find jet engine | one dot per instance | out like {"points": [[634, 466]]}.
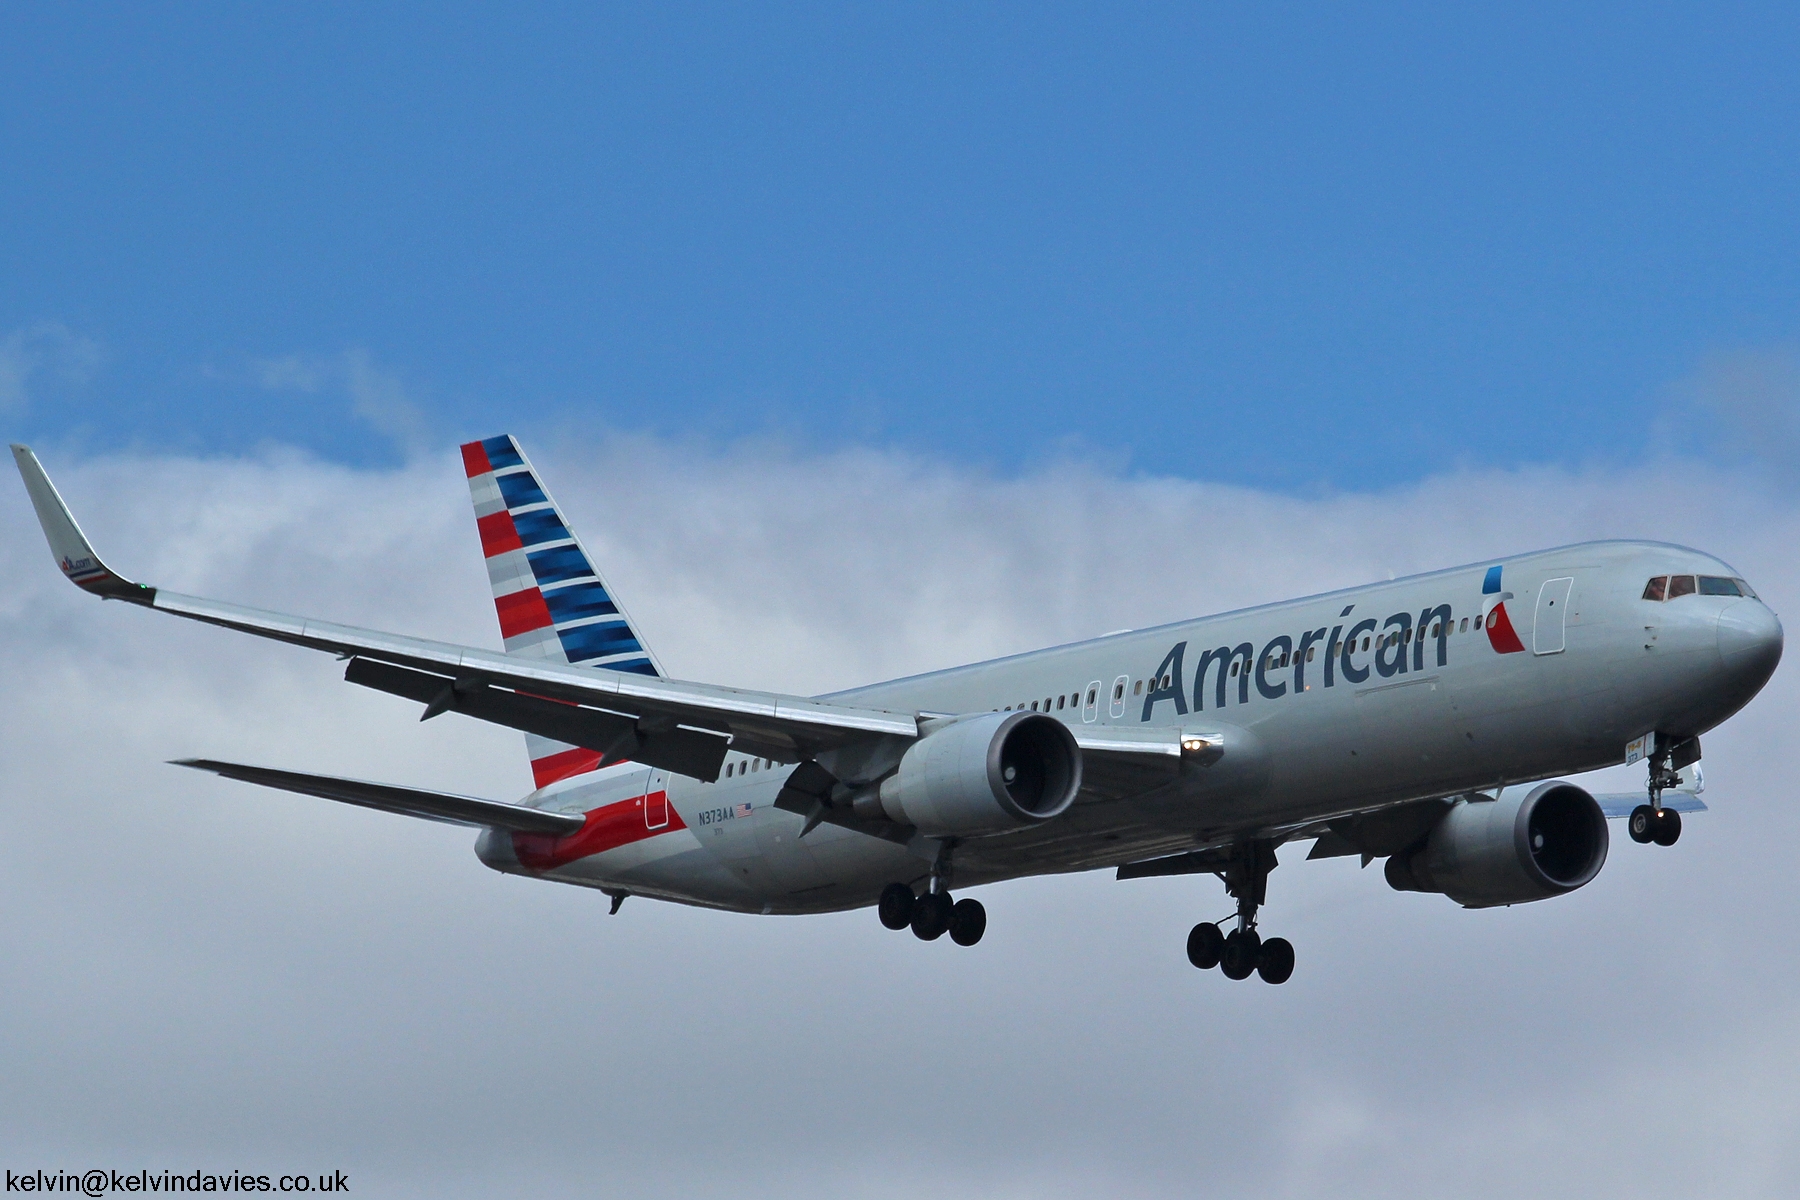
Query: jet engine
{"points": [[982, 775], [1529, 843]]}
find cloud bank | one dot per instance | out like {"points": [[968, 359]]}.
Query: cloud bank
{"points": [[201, 973]]}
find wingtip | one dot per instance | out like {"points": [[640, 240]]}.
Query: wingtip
{"points": [[74, 555]]}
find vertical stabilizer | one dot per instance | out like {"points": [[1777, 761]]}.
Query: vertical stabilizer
{"points": [[551, 601]]}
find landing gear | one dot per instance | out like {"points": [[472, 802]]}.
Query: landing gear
{"points": [[1652, 822], [1205, 944], [933, 914], [1242, 952], [968, 921], [1668, 827], [1646, 825], [1276, 962], [1242, 949], [896, 906]]}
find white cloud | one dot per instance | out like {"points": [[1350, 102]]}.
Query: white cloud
{"points": [[31, 352], [196, 970]]}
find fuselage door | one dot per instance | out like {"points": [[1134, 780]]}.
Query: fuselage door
{"points": [[1090, 707], [1118, 695], [1552, 607], [656, 801]]}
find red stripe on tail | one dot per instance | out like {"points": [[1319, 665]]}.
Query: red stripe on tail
{"points": [[521, 612], [498, 535], [564, 763], [475, 459]]}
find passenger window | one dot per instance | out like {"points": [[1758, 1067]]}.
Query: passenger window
{"points": [[1118, 691], [1137, 689], [1234, 667], [1478, 622], [1681, 585], [1365, 643], [1093, 695], [1046, 704], [1465, 625], [728, 767], [1059, 702], [1657, 589], [1311, 651], [1716, 585], [1034, 706]]}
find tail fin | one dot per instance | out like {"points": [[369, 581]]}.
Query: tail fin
{"points": [[551, 601]]}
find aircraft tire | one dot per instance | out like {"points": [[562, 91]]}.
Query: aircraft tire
{"points": [[931, 916], [968, 921], [1642, 824], [1238, 957], [1667, 829], [1204, 944], [896, 906], [1276, 962]]}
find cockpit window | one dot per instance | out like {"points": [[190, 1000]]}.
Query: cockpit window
{"points": [[1657, 588], [1745, 588], [1718, 585], [1681, 585]]}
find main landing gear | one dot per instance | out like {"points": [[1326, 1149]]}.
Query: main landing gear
{"points": [[932, 915], [1242, 952], [1652, 822]]}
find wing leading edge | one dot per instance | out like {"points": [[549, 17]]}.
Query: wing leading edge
{"points": [[674, 725]]}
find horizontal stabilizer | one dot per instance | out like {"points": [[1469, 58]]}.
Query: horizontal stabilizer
{"points": [[409, 802]]}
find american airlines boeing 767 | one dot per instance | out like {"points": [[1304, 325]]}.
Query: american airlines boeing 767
{"points": [[1422, 721]]}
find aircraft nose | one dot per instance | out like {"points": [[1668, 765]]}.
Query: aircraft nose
{"points": [[1749, 640]]}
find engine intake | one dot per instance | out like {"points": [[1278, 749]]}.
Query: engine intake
{"points": [[985, 774], [1527, 844]]}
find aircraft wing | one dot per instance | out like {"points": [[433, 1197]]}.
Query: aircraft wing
{"points": [[677, 726], [409, 802], [1618, 805]]}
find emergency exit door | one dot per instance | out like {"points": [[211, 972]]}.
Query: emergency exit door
{"points": [[1552, 607]]}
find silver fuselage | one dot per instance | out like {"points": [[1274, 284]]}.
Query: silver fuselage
{"points": [[1305, 736]]}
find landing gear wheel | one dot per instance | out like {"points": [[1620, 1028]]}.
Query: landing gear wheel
{"points": [[931, 916], [896, 906], [1239, 954], [1276, 961], [1642, 824], [968, 921], [1667, 828], [1204, 944]]}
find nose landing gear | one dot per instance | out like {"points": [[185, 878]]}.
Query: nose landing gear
{"points": [[1243, 952], [1652, 822]]}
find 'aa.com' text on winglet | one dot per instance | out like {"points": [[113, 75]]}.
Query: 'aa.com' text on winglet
{"points": [[68, 545]]}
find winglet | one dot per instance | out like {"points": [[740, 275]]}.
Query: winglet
{"points": [[67, 543]]}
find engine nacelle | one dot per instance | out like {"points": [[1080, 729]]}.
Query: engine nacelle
{"points": [[1528, 844], [987, 774]]}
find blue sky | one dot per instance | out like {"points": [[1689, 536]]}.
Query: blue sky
{"points": [[1297, 248]]}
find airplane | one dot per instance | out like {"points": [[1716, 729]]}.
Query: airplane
{"points": [[1425, 721]]}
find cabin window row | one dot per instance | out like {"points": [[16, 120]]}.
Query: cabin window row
{"points": [[1670, 587], [748, 765]]}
